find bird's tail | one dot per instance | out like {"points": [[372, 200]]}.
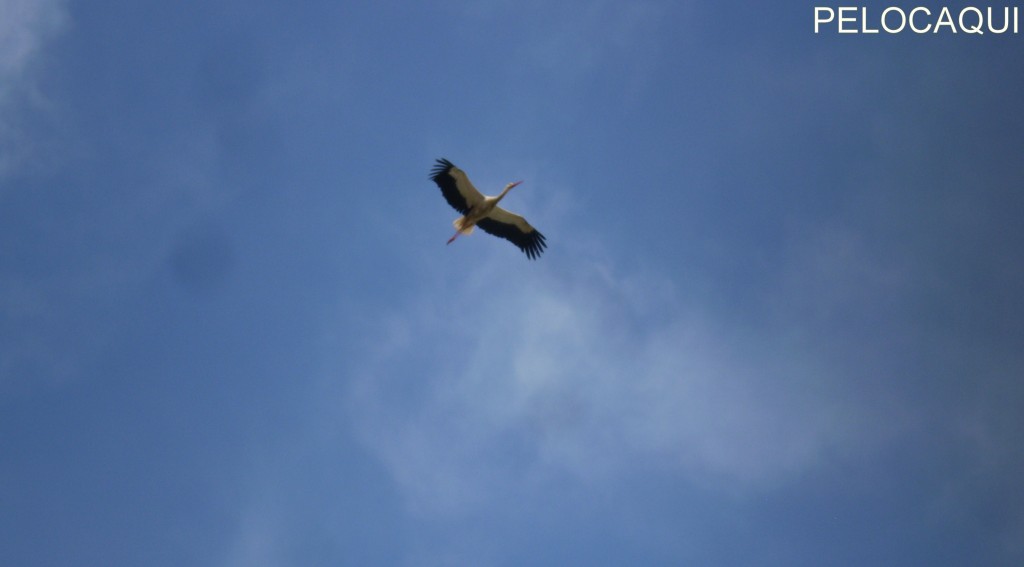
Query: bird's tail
{"points": [[460, 225]]}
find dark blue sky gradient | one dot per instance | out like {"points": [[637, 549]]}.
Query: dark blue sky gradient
{"points": [[778, 323]]}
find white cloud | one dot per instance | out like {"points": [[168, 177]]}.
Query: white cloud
{"points": [[25, 27], [586, 376], [256, 539]]}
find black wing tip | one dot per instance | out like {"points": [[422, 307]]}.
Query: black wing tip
{"points": [[535, 246], [441, 167]]}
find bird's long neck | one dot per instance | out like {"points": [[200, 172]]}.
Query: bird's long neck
{"points": [[506, 190]]}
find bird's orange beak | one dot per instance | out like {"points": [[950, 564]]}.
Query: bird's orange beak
{"points": [[511, 185]]}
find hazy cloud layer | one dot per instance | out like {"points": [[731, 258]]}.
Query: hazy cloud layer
{"points": [[571, 377], [25, 27]]}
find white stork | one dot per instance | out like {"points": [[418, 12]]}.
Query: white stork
{"points": [[483, 211]]}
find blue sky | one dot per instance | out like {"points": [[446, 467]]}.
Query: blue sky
{"points": [[778, 321]]}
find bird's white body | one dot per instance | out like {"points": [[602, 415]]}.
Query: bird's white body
{"points": [[483, 209]]}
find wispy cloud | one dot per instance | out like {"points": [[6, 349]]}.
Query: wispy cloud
{"points": [[528, 378], [25, 27]]}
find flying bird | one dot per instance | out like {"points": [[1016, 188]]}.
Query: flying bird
{"points": [[483, 210]]}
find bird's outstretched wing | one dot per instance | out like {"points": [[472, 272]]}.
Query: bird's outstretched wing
{"points": [[515, 229], [455, 186]]}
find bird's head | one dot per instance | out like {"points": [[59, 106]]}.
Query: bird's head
{"points": [[513, 184]]}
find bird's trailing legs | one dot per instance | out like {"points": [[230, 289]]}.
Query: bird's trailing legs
{"points": [[461, 228]]}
